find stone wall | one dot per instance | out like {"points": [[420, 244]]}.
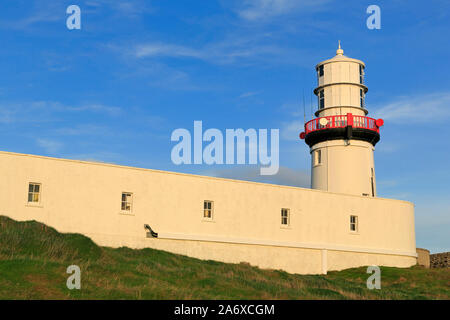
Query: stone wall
{"points": [[440, 260]]}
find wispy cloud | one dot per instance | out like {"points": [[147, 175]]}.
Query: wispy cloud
{"points": [[100, 156], [84, 129], [39, 16], [388, 147], [295, 109], [95, 107], [50, 146], [246, 50], [257, 10], [49, 11], [172, 79], [291, 130], [170, 50], [45, 111], [434, 107], [249, 94], [155, 73], [127, 8], [14, 112]]}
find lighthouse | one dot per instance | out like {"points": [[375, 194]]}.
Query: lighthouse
{"points": [[342, 137]]}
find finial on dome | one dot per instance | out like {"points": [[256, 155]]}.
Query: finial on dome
{"points": [[339, 51]]}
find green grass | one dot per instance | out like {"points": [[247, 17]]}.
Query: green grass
{"points": [[34, 258]]}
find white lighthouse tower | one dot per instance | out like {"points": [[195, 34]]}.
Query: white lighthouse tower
{"points": [[342, 138]]}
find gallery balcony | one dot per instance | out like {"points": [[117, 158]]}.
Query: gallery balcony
{"points": [[344, 127]]}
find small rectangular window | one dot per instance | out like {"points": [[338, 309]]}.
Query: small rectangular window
{"points": [[320, 71], [372, 184], [285, 217], [34, 192], [208, 208], [361, 94], [321, 100], [354, 223], [317, 157], [127, 201], [361, 74]]}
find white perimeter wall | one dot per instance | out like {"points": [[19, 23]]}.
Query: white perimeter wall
{"points": [[85, 197]]}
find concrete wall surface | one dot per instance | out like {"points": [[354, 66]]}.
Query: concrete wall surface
{"points": [[85, 197]]}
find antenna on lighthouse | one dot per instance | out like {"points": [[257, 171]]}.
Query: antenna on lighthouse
{"points": [[304, 109]]}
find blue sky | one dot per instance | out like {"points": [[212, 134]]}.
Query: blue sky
{"points": [[137, 70]]}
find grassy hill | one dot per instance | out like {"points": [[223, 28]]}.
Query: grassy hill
{"points": [[34, 258]]}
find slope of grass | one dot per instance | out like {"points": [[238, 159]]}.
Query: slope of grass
{"points": [[34, 259]]}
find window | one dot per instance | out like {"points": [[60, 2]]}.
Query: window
{"points": [[34, 192], [361, 74], [321, 100], [208, 208], [353, 223], [320, 71], [127, 201], [361, 94], [317, 157], [372, 184], [285, 217]]}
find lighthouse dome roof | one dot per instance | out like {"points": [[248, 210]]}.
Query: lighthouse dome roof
{"points": [[340, 57]]}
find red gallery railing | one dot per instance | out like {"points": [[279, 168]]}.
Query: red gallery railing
{"points": [[342, 121]]}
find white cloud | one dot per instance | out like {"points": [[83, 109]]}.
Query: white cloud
{"points": [[131, 8], [127, 8], [100, 108], [46, 111], [50, 146], [168, 50], [248, 50], [388, 147], [257, 10], [50, 11], [23, 112], [84, 129], [296, 109], [434, 107], [290, 130], [248, 94], [42, 12], [221, 53], [172, 79], [100, 156]]}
